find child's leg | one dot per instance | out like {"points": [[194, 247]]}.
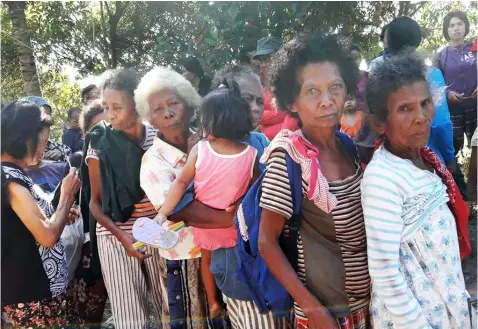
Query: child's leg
{"points": [[209, 284]]}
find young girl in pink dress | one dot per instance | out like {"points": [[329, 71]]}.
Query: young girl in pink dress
{"points": [[222, 167]]}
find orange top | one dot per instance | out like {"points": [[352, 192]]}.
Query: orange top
{"points": [[351, 131]]}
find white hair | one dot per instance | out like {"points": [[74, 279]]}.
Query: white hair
{"points": [[162, 78]]}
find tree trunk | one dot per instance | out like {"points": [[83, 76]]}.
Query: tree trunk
{"points": [[24, 48]]}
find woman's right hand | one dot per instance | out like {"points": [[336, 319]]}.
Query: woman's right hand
{"points": [[127, 241], [70, 184], [454, 97], [318, 317]]}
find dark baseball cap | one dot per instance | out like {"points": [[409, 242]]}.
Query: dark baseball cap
{"points": [[267, 46]]}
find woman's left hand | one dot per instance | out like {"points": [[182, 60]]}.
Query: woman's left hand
{"points": [[73, 216]]}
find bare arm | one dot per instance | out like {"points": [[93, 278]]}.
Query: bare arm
{"points": [[45, 231], [97, 212], [269, 232], [197, 214], [180, 184]]}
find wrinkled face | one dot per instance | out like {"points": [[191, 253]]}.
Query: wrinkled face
{"points": [[456, 29], [168, 113], [251, 91], [321, 98], [35, 156], [120, 109], [410, 114]]}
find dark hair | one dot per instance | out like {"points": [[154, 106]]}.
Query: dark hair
{"points": [[300, 51], [384, 30], [225, 114], [192, 64], [72, 111], [403, 32], [89, 93], [125, 80], [231, 73], [244, 54], [446, 22], [89, 112], [22, 123], [354, 46], [398, 71]]}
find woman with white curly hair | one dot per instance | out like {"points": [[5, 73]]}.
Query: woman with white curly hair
{"points": [[168, 101]]}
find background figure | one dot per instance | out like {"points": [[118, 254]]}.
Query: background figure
{"points": [[272, 120], [90, 93], [55, 150], [457, 62], [351, 121], [72, 136], [194, 73]]}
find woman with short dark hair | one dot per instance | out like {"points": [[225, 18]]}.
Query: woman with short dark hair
{"points": [[311, 77], [415, 217], [113, 159], [35, 275], [457, 62]]}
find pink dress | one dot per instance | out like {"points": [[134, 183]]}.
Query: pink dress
{"points": [[220, 181]]}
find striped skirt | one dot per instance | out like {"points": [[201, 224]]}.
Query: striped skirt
{"points": [[245, 315]]}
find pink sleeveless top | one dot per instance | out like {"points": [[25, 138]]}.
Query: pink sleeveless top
{"points": [[220, 181]]}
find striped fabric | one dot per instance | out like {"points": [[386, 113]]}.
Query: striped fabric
{"points": [[245, 315], [348, 219], [126, 284], [142, 209], [395, 204], [306, 154]]}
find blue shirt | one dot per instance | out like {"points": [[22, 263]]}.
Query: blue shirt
{"points": [[441, 134]]}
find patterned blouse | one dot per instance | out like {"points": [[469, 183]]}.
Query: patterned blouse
{"points": [[160, 166]]}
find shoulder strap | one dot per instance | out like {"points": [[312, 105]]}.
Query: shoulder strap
{"points": [[295, 181]]}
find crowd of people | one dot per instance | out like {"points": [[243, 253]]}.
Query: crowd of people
{"points": [[292, 170]]}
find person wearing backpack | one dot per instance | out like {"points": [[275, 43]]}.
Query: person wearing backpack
{"points": [[331, 283]]}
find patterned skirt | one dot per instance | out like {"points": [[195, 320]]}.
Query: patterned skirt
{"points": [[46, 313]]}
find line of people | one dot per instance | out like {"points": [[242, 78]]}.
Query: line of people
{"points": [[379, 243]]}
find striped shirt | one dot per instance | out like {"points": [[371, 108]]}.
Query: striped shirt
{"points": [[397, 197], [348, 219], [142, 209]]}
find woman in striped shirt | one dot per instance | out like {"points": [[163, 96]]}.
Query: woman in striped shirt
{"points": [[126, 271], [412, 209], [331, 286]]}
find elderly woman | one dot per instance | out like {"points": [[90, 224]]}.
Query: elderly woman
{"points": [[331, 287], [412, 209], [457, 62], [168, 101], [113, 159], [35, 275]]}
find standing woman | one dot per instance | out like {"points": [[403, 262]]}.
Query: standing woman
{"points": [[457, 62], [114, 157], [331, 287], [412, 209], [35, 275]]}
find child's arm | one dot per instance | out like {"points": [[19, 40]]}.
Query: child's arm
{"points": [[179, 185]]}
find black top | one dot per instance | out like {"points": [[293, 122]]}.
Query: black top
{"points": [[204, 86], [24, 278]]}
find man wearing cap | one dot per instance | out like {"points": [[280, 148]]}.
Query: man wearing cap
{"points": [[272, 120], [54, 151]]}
